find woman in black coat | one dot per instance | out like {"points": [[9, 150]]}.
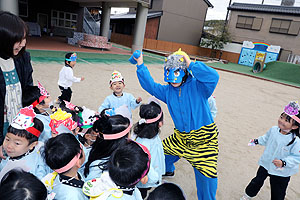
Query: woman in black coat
{"points": [[15, 68]]}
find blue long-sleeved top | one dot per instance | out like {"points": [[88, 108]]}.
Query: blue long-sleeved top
{"points": [[113, 101], [276, 148], [187, 104]]}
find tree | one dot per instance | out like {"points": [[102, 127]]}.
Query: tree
{"points": [[215, 36]]}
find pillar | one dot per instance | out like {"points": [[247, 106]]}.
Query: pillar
{"points": [[105, 20], [139, 27], [10, 6]]}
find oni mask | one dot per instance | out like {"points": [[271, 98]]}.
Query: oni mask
{"points": [[173, 75], [175, 67]]}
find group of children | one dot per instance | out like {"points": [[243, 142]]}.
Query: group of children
{"points": [[78, 153]]}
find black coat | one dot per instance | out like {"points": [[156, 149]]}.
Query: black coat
{"points": [[24, 70]]}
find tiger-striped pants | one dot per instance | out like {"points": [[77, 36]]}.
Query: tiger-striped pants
{"points": [[200, 149]]}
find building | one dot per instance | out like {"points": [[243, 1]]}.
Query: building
{"points": [[168, 20], [63, 17], [275, 25]]}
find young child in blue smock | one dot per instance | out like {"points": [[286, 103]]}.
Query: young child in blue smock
{"points": [[40, 99], [118, 97], [147, 134], [195, 136], [212, 106], [112, 131], [281, 157], [65, 156], [20, 144], [128, 165]]}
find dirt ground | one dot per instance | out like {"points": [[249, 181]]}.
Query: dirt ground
{"points": [[247, 108]]}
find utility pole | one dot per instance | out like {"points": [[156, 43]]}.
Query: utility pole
{"points": [[225, 23], [262, 1], [227, 13]]}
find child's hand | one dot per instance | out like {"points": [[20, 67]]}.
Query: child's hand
{"points": [[1, 153], [139, 100], [82, 78], [252, 142], [277, 163], [187, 60], [144, 180], [139, 59]]}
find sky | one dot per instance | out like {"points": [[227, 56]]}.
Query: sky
{"points": [[220, 6]]}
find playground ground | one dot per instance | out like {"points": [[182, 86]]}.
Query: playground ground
{"points": [[247, 108]]}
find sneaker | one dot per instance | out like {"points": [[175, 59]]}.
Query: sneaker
{"points": [[169, 174], [245, 197]]}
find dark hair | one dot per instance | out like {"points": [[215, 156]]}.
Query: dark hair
{"points": [[12, 30], [127, 164], [167, 191], [68, 56], [103, 148], [60, 150], [295, 132], [148, 111], [21, 185], [82, 138], [38, 124], [30, 95]]}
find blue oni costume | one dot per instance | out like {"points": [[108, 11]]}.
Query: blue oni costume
{"points": [[195, 136]]}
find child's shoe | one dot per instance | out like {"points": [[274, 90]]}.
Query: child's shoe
{"points": [[245, 197]]}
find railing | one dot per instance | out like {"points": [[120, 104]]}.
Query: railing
{"points": [[90, 26], [292, 58]]}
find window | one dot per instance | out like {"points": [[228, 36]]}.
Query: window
{"points": [[23, 8], [63, 19], [249, 22], [280, 26], [285, 26]]}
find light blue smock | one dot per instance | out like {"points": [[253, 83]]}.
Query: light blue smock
{"points": [[113, 101], [276, 148], [157, 164]]}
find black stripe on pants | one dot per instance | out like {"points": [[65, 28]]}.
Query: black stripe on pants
{"points": [[278, 184]]}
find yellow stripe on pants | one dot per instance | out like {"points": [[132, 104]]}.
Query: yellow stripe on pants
{"points": [[198, 147]]}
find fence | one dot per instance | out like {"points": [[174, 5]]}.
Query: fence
{"points": [[292, 58], [165, 46]]}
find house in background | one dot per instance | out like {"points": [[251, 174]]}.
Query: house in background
{"points": [[168, 20], [275, 25]]}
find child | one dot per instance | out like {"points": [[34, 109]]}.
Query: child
{"points": [[66, 78], [119, 98], [281, 157], [39, 98], [112, 132], [62, 122], [147, 130], [20, 141], [65, 156], [128, 165], [167, 191], [195, 136], [87, 138], [21, 185]]}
